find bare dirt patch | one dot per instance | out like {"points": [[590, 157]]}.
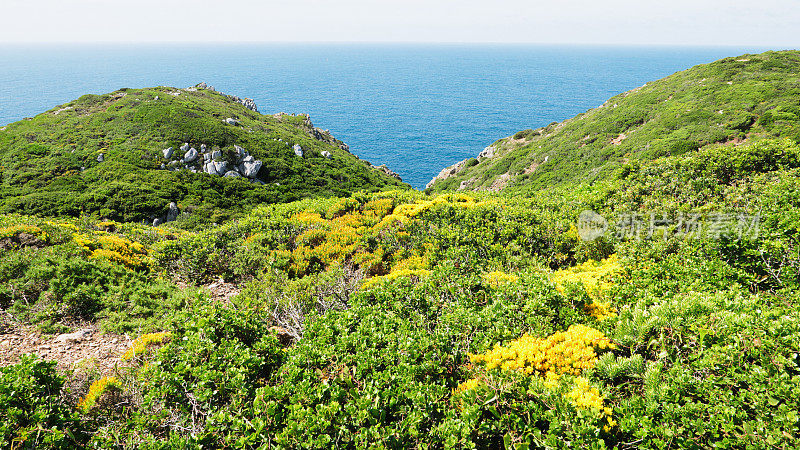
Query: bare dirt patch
{"points": [[93, 349]]}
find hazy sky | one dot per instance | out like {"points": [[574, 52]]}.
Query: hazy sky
{"points": [[774, 23]]}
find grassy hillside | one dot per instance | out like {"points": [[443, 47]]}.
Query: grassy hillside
{"points": [[50, 164], [727, 102]]}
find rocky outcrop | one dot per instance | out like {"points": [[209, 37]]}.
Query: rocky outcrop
{"points": [[211, 161], [487, 152], [387, 171], [448, 172]]}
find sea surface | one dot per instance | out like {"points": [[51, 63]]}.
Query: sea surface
{"points": [[416, 108]]}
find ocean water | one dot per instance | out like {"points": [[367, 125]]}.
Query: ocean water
{"points": [[416, 108]]}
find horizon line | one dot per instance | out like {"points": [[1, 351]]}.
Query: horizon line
{"points": [[442, 43]]}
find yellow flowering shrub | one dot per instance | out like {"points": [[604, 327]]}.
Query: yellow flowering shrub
{"points": [[415, 266], [96, 390], [498, 278], [466, 386], [596, 278], [563, 352], [307, 218], [113, 248], [14, 230], [143, 342], [585, 396]]}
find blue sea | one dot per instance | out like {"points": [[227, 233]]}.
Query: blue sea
{"points": [[416, 108]]}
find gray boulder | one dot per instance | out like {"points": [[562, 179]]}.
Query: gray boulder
{"points": [[157, 221], [250, 168], [220, 166], [326, 154], [232, 174], [190, 155], [185, 147], [173, 212], [101, 157], [298, 150], [210, 169], [203, 148], [231, 121], [167, 153]]}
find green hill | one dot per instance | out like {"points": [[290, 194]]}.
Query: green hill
{"points": [[726, 103], [103, 155]]}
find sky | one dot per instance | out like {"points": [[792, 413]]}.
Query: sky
{"points": [[773, 23]]}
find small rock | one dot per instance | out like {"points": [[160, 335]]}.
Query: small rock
{"points": [[231, 121], [326, 154], [101, 157], [298, 151], [203, 148], [185, 147], [157, 222], [77, 336], [167, 153], [232, 174]]}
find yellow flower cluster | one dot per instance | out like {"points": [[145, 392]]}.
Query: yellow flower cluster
{"points": [[307, 218], [403, 213], [113, 248], [466, 386], [498, 278], [14, 230], [143, 342], [563, 352], [360, 233], [585, 396], [596, 278], [415, 266], [96, 390], [601, 310]]}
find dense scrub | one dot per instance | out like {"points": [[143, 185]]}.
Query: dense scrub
{"points": [[49, 164], [453, 321]]}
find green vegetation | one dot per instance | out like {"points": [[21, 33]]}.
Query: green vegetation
{"points": [[49, 164], [400, 319], [727, 102]]}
